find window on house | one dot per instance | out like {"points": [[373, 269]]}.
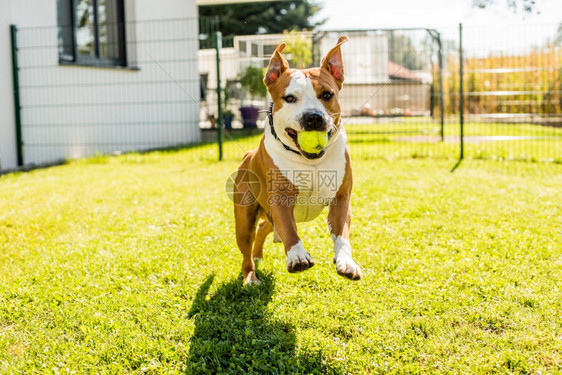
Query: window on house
{"points": [[91, 32]]}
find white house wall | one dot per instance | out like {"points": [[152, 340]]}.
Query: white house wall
{"points": [[73, 111], [7, 129], [22, 13]]}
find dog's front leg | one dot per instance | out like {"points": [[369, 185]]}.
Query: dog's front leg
{"points": [[298, 259], [339, 219]]}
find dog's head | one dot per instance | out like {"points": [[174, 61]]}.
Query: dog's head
{"points": [[305, 99]]}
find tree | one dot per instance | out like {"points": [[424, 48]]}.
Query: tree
{"points": [[525, 6], [263, 17], [298, 50]]}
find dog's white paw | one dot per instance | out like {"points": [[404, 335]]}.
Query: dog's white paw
{"points": [[298, 259], [345, 265]]}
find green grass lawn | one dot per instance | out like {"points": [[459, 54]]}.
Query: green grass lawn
{"points": [[129, 265], [418, 138], [426, 125]]}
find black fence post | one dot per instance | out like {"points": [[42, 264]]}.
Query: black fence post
{"points": [[461, 93], [436, 37], [218, 46], [16, 83], [441, 99]]}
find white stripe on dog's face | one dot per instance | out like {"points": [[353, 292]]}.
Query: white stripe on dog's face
{"points": [[290, 114], [301, 87]]}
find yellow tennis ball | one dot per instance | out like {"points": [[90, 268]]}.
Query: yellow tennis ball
{"points": [[313, 141]]}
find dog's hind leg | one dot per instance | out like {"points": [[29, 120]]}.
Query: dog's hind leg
{"points": [[264, 229], [246, 217]]}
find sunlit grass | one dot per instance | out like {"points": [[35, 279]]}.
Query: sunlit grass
{"points": [[129, 265]]}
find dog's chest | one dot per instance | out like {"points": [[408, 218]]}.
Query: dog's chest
{"points": [[317, 189], [317, 182]]}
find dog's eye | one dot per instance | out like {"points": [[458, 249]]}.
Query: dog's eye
{"points": [[290, 99], [327, 96]]}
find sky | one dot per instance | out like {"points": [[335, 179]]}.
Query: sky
{"points": [[495, 27], [364, 14]]}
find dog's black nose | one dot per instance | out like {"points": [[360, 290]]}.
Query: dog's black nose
{"points": [[313, 121]]}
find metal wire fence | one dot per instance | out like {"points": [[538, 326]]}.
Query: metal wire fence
{"points": [[72, 107], [391, 95], [513, 92], [402, 95]]}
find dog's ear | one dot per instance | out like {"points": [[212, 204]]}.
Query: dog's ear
{"points": [[333, 61], [277, 65]]}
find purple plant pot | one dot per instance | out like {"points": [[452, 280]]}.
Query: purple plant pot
{"points": [[249, 116]]}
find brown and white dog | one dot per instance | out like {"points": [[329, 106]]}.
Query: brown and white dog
{"points": [[283, 184]]}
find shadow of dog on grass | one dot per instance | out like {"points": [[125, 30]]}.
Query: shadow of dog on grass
{"points": [[235, 333]]}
